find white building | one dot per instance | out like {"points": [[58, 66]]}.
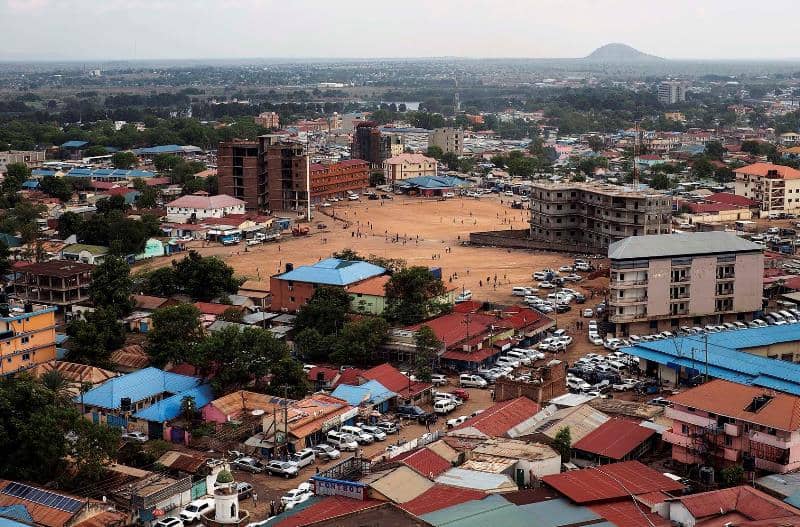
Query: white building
{"points": [[776, 188], [200, 205]]}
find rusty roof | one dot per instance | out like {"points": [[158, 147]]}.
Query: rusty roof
{"points": [[626, 513], [729, 399], [614, 439], [747, 501], [609, 482], [425, 461], [501, 417], [181, 461], [133, 357], [375, 286], [440, 497], [41, 514], [75, 372]]}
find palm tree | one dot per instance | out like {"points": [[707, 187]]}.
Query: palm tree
{"points": [[57, 384]]}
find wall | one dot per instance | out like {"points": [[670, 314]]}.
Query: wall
{"points": [[749, 285], [505, 389], [658, 284], [703, 285], [289, 297]]}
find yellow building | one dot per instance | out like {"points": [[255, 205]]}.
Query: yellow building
{"points": [[27, 336]]}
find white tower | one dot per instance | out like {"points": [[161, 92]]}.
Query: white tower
{"points": [[226, 499]]}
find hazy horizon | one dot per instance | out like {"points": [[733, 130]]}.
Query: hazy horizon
{"points": [[151, 30]]}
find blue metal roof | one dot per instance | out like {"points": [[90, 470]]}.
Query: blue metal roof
{"points": [[109, 173], [170, 408], [31, 183], [166, 149], [333, 271], [138, 385], [74, 144], [492, 510], [727, 356], [371, 392], [43, 172], [434, 182], [16, 512]]}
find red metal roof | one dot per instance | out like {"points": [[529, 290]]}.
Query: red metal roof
{"points": [[440, 497], [328, 374], [731, 199], [325, 509], [470, 306], [425, 461], [749, 502], [471, 356], [615, 438], [391, 378], [609, 482], [349, 376], [208, 308], [499, 418], [627, 514]]}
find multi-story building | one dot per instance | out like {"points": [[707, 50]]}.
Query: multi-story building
{"points": [[722, 423], [588, 217], [32, 158], [776, 188], [448, 139], [671, 280], [294, 288], [406, 166], [334, 180], [57, 282], [373, 146], [268, 120], [271, 173], [27, 336], [672, 92]]}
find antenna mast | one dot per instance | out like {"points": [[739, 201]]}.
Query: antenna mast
{"points": [[636, 157]]}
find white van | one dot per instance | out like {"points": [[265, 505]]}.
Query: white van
{"points": [[361, 436], [506, 361], [342, 441], [466, 380], [519, 356], [444, 406], [303, 458]]}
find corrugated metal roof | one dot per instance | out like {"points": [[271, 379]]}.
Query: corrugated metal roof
{"points": [[627, 514], [371, 392], [333, 271], [617, 480], [501, 417], [170, 408], [137, 385], [473, 479], [440, 497], [615, 439], [399, 485], [727, 358], [492, 510], [664, 245], [558, 512]]}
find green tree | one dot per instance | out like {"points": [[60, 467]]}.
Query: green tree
{"points": [[310, 345], [161, 282], [16, 175], [359, 341], [412, 295], [112, 286], [56, 187], [94, 336], [326, 311], [123, 160], [232, 314], [69, 223], [427, 347], [596, 143], [148, 198], [661, 182], [702, 167], [435, 152], [451, 160], [288, 373], [377, 178], [189, 408], [176, 331], [562, 443], [732, 476], [715, 150], [205, 278], [5, 264], [94, 151]]}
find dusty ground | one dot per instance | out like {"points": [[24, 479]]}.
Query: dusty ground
{"points": [[389, 228]]}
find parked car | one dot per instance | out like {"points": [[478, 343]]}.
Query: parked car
{"points": [[461, 394], [452, 423], [139, 437], [244, 490], [415, 412], [342, 441], [466, 380], [660, 401], [374, 431], [298, 495], [325, 451], [463, 296], [195, 509], [169, 522], [249, 464], [444, 406], [546, 285], [234, 454], [388, 427], [437, 379], [624, 384], [287, 469], [303, 458], [363, 438]]}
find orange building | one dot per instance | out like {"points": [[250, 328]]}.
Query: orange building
{"points": [[27, 336], [328, 181]]}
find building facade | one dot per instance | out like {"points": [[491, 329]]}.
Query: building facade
{"points": [[663, 282], [268, 120], [200, 205], [57, 282], [723, 423], [27, 336], [672, 92], [590, 217], [450, 140], [334, 180], [269, 174], [775, 188], [373, 146], [407, 166], [32, 158]]}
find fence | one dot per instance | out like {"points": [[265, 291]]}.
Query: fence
{"points": [[520, 239]]}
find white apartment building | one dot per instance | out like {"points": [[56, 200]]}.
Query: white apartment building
{"points": [[672, 92], [665, 281], [776, 188]]}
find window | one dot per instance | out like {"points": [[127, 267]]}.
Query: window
{"points": [[684, 429], [728, 440], [26, 356], [26, 339]]}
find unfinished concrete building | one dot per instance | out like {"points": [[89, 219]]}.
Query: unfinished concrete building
{"points": [[588, 217]]}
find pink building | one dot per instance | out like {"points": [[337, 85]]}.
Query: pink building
{"points": [[724, 423]]}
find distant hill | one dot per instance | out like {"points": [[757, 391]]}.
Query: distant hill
{"points": [[620, 53]]}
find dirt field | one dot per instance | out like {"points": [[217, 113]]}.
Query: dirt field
{"points": [[389, 228]]}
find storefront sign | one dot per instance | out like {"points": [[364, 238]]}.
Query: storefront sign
{"points": [[338, 487]]}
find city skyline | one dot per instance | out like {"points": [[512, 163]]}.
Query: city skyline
{"points": [[158, 30]]}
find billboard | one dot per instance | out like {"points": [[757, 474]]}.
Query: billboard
{"points": [[338, 487]]}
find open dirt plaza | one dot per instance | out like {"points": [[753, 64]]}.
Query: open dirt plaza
{"points": [[421, 231]]}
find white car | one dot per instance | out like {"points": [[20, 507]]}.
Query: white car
{"points": [[353, 197], [325, 451], [624, 384], [374, 431], [596, 340], [437, 379], [193, 511], [578, 384], [298, 495], [139, 437], [546, 285], [452, 423], [169, 522], [566, 269], [588, 313]]}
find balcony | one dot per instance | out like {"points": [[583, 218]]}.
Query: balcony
{"points": [[771, 440], [690, 418], [628, 301], [731, 454], [731, 430], [628, 317], [628, 284], [677, 439]]}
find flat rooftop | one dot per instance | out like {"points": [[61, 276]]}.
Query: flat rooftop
{"points": [[691, 244]]}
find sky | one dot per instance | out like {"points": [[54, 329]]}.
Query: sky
{"points": [[206, 29]]}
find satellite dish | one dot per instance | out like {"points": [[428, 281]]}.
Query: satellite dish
{"points": [[257, 412]]}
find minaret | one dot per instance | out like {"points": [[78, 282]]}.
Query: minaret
{"points": [[226, 503]]}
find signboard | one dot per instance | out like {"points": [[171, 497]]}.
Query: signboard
{"points": [[334, 422], [338, 487]]}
